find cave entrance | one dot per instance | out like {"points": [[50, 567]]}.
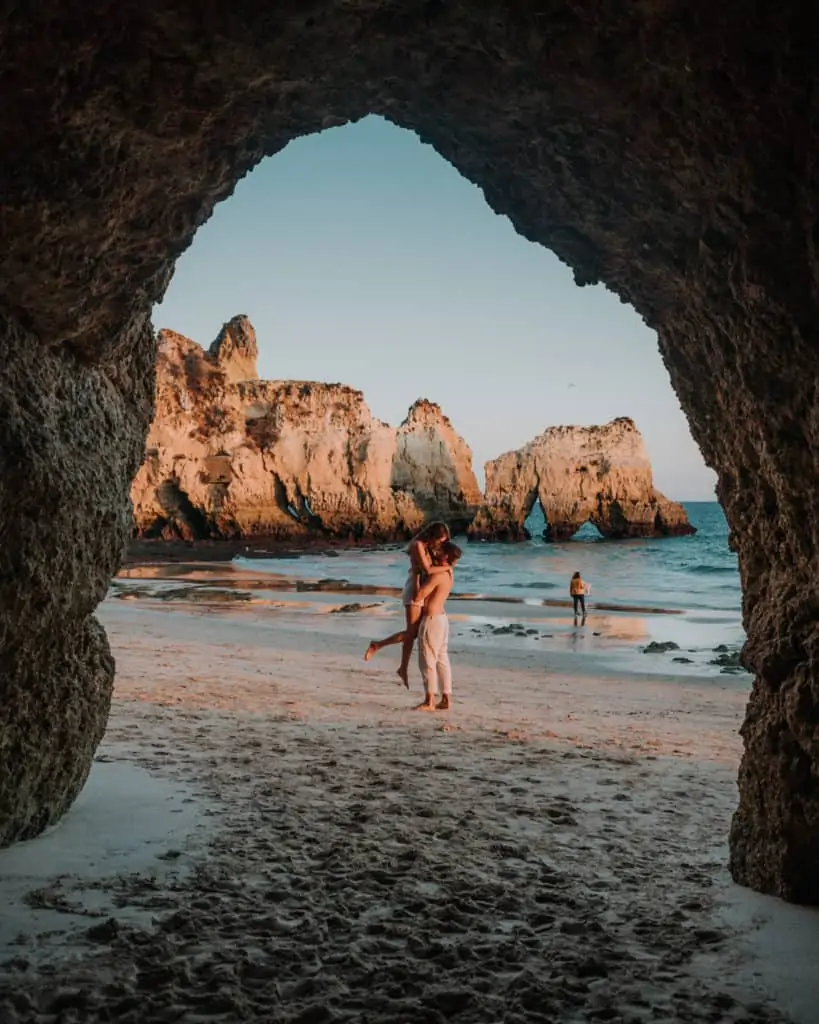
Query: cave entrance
{"points": [[489, 323], [535, 521], [574, 380], [588, 532], [689, 200], [181, 519]]}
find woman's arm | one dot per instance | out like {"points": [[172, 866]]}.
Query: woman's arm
{"points": [[426, 562]]}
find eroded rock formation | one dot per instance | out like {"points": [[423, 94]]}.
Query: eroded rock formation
{"points": [[71, 439], [229, 455], [600, 475], [639, 142], [234, 351]]}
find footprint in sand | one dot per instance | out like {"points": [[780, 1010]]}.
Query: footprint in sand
{"points": [[559, 816]]}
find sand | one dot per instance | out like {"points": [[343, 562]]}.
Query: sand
{"points": [[553, 849]]}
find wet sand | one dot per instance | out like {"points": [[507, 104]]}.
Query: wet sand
{"points": [[615, 637], [553, 849]]}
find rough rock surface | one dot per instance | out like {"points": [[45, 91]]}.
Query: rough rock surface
{"points": [[600, 475], [64, 518], [229, 455], [235, 350], [669, 152]]}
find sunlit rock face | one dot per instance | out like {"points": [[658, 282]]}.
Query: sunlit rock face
{"points": [[229, 455], [234, 351], [599, 474], [639, 142]]}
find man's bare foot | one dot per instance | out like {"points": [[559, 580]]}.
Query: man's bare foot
{"points": [[403, 675], [444, 704], [372, 650], [428, 705]]}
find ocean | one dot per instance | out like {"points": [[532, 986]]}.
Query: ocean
{"points": [[684, 590]]}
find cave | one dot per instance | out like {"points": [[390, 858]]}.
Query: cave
{"points": [[534, 523], [667, 152], [588, 532], [182, 520]]}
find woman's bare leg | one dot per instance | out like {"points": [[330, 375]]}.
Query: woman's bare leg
{"points": [[414, 613], [376, 645]]}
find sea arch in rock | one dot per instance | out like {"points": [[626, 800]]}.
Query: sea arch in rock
{"points": [[667, 150]]}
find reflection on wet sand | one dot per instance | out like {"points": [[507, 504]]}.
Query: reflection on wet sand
{"points": [[620, 627], [625, 629]]}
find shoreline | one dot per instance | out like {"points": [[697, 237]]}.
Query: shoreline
{"points": [[158, 551], [552, 849], [245, 580], [637, 639]]}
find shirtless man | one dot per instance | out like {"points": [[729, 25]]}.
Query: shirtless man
{"points": [[422, 552], [433, 633]]}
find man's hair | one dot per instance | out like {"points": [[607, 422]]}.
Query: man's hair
{"points": [[450, 553]]}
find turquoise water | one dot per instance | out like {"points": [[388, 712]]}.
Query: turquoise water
{"points": [[696, 576], [692, 573]]}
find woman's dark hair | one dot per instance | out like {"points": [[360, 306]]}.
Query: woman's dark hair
{"points": [[433, 533], [576, 576]]}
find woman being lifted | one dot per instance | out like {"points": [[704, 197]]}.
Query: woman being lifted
{"points": [[420, 551]]}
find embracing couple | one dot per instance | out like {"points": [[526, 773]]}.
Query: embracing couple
{"points": [[432, 558]]}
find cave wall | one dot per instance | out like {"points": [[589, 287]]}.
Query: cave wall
{"points": [[666, 149], [71, 438]]}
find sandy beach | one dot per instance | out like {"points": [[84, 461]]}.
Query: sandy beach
{"points": [[271, 833]]}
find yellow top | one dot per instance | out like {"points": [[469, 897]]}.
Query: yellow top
{"points": [[577, 586]]}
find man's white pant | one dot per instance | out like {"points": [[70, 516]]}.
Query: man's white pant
{"points": [[433, 654]]}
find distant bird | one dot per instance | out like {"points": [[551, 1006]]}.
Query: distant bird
{"points": [[571, 385]]}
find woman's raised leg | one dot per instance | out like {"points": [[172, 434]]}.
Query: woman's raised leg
{"points": [[376, 645]]}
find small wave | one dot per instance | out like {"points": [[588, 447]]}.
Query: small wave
{"points": [[537, 585], [546, 602]]}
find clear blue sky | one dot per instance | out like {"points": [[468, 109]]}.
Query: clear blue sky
{"points": [[361, 256]]}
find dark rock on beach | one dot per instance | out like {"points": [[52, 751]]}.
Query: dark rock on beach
{"points": [[657, 647], [354, 607]]}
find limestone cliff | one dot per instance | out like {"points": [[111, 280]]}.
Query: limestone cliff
{"points": [[600, 475], [235, 351], [229, 455]]}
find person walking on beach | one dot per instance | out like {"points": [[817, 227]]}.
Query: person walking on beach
{"points": [[578, 589], [422, 549], [433, 633]]}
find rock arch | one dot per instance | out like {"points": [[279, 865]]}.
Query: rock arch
{"points": [[597, 474], [669, 153]]}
